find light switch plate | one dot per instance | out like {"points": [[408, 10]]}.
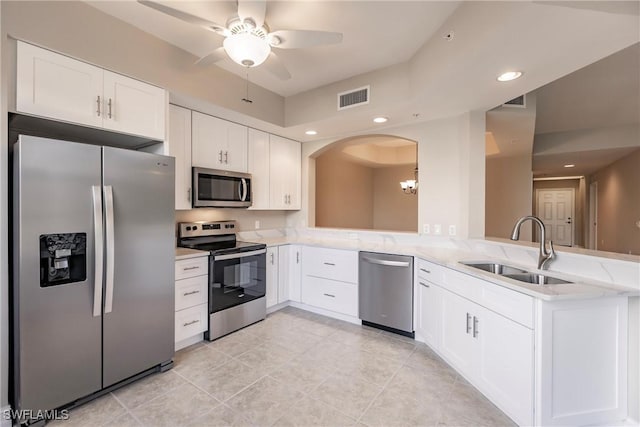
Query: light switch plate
{"points": [[425, 229], [437, 229], [257, 225], [452, 230]]}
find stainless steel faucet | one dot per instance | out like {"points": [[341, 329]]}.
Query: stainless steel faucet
{"points": [[544, 256]]}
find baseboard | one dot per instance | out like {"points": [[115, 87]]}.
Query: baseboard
{"points": [[187, 342], [324, 312], [4, 422], [277, 307]]}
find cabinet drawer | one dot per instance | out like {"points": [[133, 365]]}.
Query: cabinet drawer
{"points": [[330, 294], [429, 271], [191, 321], [334, 264], [192, 267], [191, 291]]}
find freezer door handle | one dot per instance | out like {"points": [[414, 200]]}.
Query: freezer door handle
{"points": [[108, 208], [386, 262], [98, 248]]}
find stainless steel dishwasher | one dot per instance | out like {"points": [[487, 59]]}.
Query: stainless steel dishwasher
{"points": [[386, 292]]}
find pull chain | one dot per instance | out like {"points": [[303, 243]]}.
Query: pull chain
{"points": [[247, 99]]}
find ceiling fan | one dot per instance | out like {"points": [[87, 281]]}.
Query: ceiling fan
{"points": [[247, 38]]}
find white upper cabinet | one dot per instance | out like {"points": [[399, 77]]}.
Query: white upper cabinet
{"points": [[259, 168], [134, 107], [58, 87], [285, 177], [218, 144], [179, 146]]}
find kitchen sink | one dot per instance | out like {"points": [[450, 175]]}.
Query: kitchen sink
{"points": [[495, 268], [537, 279]]}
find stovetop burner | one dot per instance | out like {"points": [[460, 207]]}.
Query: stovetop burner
{"points": [[217, 237]]}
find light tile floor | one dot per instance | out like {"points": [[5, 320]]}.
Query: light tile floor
{"points": [[298, 369]]}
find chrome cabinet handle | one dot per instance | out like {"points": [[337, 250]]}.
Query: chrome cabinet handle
{"points": [[424, 284], [271, 258], [297, 257], [195, 267], [329, 295], [190, 323], [108, 205], [186, 294], [476, 321], [98, 245], [220, 156], [98, 102], [285, 199], [188, 194], [329, 263], [109, 104], [226, 157], [426, 271], [468, 325]]}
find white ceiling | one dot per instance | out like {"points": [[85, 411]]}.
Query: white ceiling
{"points": [[377, 34]]}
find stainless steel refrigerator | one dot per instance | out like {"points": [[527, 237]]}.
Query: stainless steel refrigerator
{"points": [[93, 277]]}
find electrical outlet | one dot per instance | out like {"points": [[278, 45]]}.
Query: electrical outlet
{"points": [[425, 229], [437, 229], [257, 225], [452, 230]]}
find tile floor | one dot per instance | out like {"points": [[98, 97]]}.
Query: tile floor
{"points": [[298, 368]]}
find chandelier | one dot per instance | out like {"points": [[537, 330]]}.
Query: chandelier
{"points": [[410, 186]]}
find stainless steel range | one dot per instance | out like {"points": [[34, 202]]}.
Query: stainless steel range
{"points": [[237, 275]]}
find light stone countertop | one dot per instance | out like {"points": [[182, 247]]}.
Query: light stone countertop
{"points": [[581, 288], [186, 253]]}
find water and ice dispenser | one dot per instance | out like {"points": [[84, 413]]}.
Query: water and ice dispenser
{"points": [[63, 258]]}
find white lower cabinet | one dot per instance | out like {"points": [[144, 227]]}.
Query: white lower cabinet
{"points": [[191, 300], [457, 343], [272, 276], [429, 312], [289, 272], [331, 295]]}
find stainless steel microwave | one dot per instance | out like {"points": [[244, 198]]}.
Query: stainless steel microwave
{"points": [[221, 189]]}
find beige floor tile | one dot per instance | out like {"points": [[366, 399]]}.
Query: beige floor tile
{"points": [[413, 382], [466, 406], [266, 357], [236, 343], [148, 388], [350, 395], [95, 413], [265, 401], [371, 367], [221, 416], [125, 420], [394, 409], [311, 412], [296, 341], [227, 380], [315, 327], [425, 358], [301, 374], [193, 364], [180, 406], [388, 347]]}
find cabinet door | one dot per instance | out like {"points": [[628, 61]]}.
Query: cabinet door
{"points": [[209, 141], [505, 365], [134, 107], [429, 312], [55, 86], [456, 339], [235, 155], [285, 173], [289, 269], [258, 167], [179, 144], [272, 276], [295, 272]]}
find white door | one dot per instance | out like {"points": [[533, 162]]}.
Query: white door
{"points": [[179, 144], [456, 340], [55, 86], [258, 167], [593, 215], [272, 276], [429, 312], [505, 364], [134, 107], [556, 209]]}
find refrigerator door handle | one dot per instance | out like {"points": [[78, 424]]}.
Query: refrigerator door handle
{"points": [[98, 248], [108, 208]]}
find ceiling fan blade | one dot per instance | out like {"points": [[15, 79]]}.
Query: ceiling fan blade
{"points": [[183, 16], [254, 9], [294, 39], [217, 55], [274, 65]]}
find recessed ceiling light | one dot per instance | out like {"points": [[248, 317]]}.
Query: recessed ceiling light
{"points": [[380, 119], [570, 166], [311, 132], [509, 75]]}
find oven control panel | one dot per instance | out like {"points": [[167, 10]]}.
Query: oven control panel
{"points": [[198, 229]]}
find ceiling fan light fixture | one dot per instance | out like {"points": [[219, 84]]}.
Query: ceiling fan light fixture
{"points": [[247, 49], [274, 40]]}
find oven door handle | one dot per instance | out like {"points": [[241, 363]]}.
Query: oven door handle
{"points": [[239, 255]]}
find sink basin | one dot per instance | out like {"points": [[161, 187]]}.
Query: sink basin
{"points": [[495, 268], [536, 279]]}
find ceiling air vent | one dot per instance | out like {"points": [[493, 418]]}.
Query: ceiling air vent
{"points": [[518, 102], [353, 98]]}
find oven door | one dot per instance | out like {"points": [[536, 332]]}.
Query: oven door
{"points": [[223, 189], [237, 278]]}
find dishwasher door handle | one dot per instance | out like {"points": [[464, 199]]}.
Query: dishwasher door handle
{"points": [[386, 262]]}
